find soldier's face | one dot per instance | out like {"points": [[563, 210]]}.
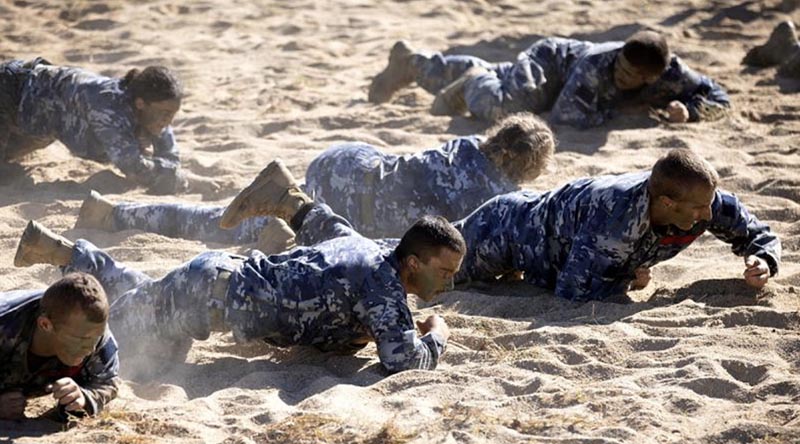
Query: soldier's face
{"points": [[627, 76], [693, 207], [435, 276], [156, 116], [74, 338]]}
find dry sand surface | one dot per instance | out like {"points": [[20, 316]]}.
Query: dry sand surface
{"points": [[698, 357]]}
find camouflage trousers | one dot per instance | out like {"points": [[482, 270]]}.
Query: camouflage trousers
{"points": [[505, 88], [175, 308], [194, 222]]}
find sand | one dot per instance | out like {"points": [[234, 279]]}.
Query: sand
{"points": [[698, 357]]}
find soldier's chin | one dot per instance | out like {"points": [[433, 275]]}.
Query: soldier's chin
{"points": [[71, 361]]}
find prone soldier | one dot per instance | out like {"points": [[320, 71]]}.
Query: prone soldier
{"points": [[380, 194], [57, 341], [594, 238], [580, 83], [97, 117], [337, 294]]}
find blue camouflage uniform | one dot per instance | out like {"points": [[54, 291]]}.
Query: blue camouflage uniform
{"points": [[91, 115], [186, 221], [381, 194], [586, 238], [337, 294], [572, 78], [20, 371]]}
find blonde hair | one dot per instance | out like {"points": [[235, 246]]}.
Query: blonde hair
{"points": [[521, 146]]}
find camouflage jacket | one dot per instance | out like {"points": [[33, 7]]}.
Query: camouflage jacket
{"points": [[586, 238], [93, 117], [97, 375], [382, 195], [337, 295], [578, 78]]}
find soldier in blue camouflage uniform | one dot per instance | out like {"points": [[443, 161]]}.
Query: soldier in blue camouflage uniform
{"points": [[57, 341], [338, 294], [593, 238], [380, 194], [580, 82], [96, 117]]}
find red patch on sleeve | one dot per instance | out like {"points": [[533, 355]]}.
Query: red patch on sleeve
{"points": [[66, 372]]}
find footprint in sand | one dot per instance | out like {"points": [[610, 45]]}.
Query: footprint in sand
{"points": [[718, 388], [96, 25], [653, 344], [745, 372]]}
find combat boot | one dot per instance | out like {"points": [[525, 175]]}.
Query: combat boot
{"points": [[38, 245], [399, 72], [781, 45], [273, 193], [450, 100], [96, 212], [276, 237]]}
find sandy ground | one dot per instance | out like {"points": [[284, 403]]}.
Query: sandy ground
{"points": [[698, 357]]}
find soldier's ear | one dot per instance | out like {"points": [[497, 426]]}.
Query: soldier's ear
{"points": [[139, 103], [413, 263], [666, 201], [44, 323]]}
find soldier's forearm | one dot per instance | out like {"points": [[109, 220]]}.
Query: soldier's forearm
{"points": [[99, 394]]}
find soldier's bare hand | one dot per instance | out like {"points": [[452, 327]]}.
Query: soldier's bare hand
{"points": [[677, 112], [642, 278], [67, 392], [435, 324], [756, 273], [12, 405]]}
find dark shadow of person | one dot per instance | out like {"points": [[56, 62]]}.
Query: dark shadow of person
{"points": [[297, 372], [732, 292], [28, 428]]}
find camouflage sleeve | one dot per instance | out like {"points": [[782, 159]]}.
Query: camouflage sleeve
{"points": [[703, 97], [390, 322], [165, 147], [578, 104], [733, 224], [99, 380], [593, 267], [159, 174]]}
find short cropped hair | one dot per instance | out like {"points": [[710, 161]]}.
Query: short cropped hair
{"points": [[153, 84], [75, 291], [647, 50], [427, 236], [678, 171], [521, 146]]}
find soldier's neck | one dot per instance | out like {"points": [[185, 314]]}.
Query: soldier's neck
{"points": [[656, 217], [41, 344]]}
